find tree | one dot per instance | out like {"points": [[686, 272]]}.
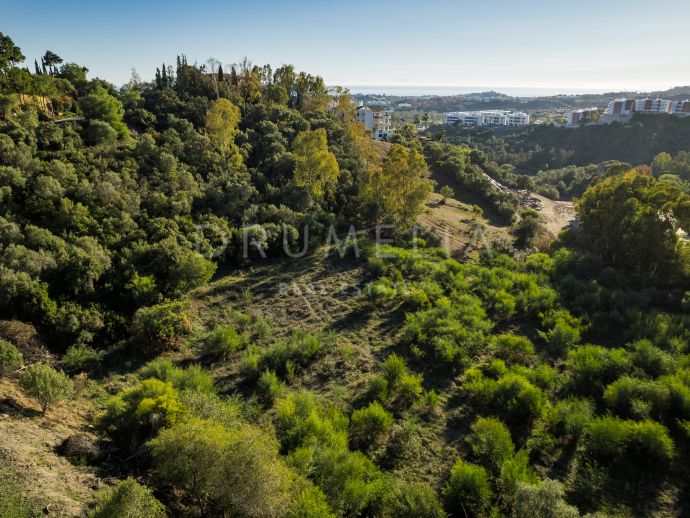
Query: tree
{"points": [[10, 54], [634, 221], [51, 60], [316, 168], [10, 358], [128, 499], [100, 105], [446, 192], [397, 191], [227, 471], [527, 228], [161, 327], [46, 384], [222, 120]]}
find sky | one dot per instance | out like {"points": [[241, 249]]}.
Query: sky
{"points": [[551, 45]]}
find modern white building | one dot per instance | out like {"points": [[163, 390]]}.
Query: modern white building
{"points": [[583, 116], [653, 106], [681, 108], [491, 118], [376, 120], [624, 109]]}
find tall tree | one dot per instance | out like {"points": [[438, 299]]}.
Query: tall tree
{"points": [[10, 54], [222, 120], [315, 166], [396, 191]]}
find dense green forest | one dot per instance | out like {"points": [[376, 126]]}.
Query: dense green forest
{"points": [[148, 232]]}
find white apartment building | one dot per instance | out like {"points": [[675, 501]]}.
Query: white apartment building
{"points": [[377, 121], [487, 118], [653, 106], [582, 116], [681, 108]]}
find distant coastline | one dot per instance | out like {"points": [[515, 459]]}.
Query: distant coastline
{"points": [[416, 91]]}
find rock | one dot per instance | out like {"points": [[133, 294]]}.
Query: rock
{"points": [[80, 448]]}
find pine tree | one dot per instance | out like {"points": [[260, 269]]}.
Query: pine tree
{"points": [[159, 83], [164, 76], [38, 70], [221, 75]]}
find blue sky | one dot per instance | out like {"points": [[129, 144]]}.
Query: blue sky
{"points": [[583, 45]]}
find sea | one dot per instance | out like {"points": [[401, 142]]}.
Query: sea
{"points": [[514, 91]]}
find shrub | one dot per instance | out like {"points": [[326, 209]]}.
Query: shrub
{"points": [[310, 503], [610, 437], [512, 348], [377, 388], [228, 411], [544, 500], [161, 327], [10, 358], [514, 471], [468, 489], [224, 341], [393, 369], [302, 419], [134, 413], [298, 351], [511, 396], [490, 442], [80, 358], [592, 367], [46, 384], [368, 424], [269, 386], [233, 472], [410, 387], [653, 361], [128, 499], [411, 500], [193, 377], [571, 416], [637, 398]]}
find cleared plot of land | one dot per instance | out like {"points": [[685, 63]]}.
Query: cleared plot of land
{"points": [[29, 462]]}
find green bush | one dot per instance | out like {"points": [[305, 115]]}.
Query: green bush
{"points": [[544, 500], [377, 388], [512, 348], [134, 413], [269, 386], [46, 384], [611, 437], [571, 416], [193, 377], [80, 358], [637, 398], [467, 488], [161, 327], [410, 388], [10, 358], [128, 499], [511, 396], [393, 369], [228, 411], [235, 472], [411, 500], [367, 425], [298, 351], [490, 442], [592, 367], [224, 341], [310, 503], [514, 471]]}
